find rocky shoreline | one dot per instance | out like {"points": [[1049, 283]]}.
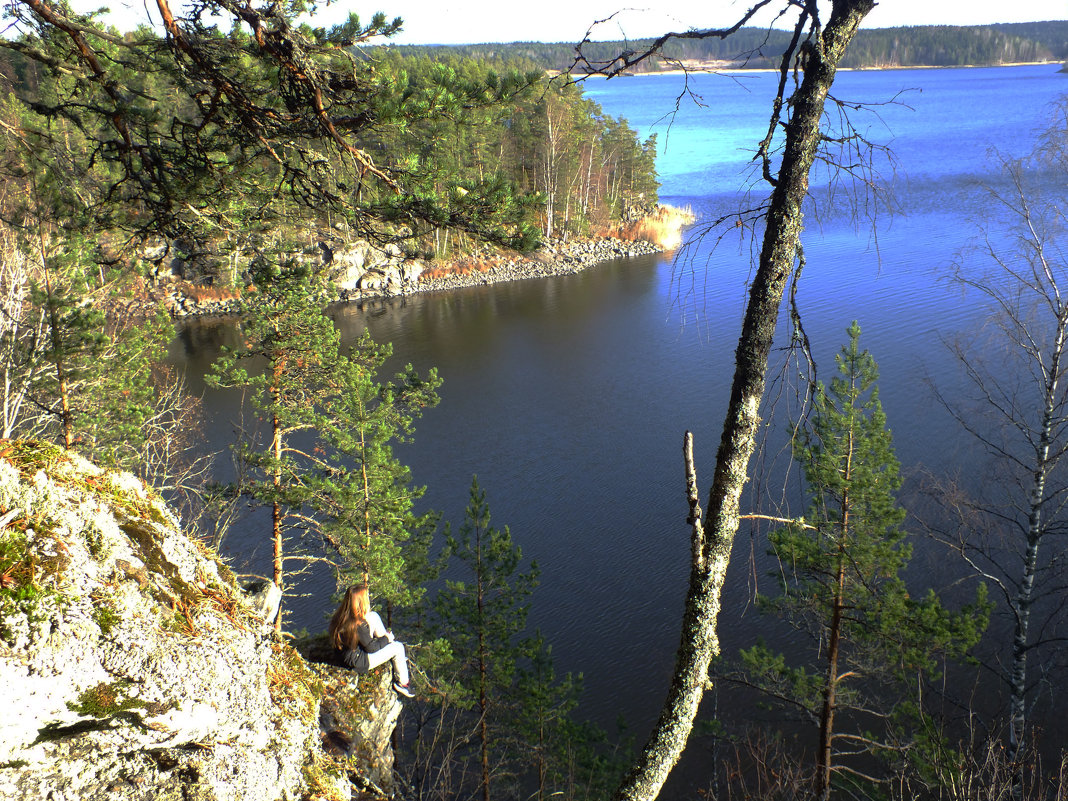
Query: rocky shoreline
{"points": [[555, 257]]}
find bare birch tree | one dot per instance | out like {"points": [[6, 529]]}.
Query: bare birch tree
{"points": [[795, 138], [1015, 406], [20, 322]]}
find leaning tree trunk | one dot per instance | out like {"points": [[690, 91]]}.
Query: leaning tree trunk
{"points": [[711, 550]]}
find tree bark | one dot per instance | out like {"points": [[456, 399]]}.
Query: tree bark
{"points": [[700, 639], [276, 506], [830, 687], [483, 680], [1024, 596]]}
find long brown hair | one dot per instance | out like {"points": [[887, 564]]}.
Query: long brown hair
{"points": [[349, 617]]}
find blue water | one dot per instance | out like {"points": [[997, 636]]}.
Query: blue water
{"points": [[569, 396]]}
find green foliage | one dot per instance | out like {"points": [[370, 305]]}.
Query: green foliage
{"points": [[324, 462], [106, 700], [363, 490], [875, 644], [854, 521], [196, 138], [31, 455], [562, 757], [484, 614], [27, 579], [497, 142], [498, 708], [770, 671], [106, 618], [292, 130], [80, 367], [219, 141], [16, 564], [20, 592], [125, 389]]}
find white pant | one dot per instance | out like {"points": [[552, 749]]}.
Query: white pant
{"points": [[394, 651]]}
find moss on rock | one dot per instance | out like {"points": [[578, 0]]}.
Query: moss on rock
{"points": [[139, 667]]}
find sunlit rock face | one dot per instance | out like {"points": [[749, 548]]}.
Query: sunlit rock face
{"points": [[133, 666]]}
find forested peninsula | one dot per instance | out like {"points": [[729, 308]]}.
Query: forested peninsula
{"points": [[268, 167]]}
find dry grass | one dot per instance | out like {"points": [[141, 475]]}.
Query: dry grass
{"points": [[214, 294], [291, 682], [662, 228], [462, 266]]}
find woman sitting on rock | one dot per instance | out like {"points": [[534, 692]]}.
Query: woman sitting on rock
{"points": [[364, 643]]}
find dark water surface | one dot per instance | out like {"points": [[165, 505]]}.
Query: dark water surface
{"points": [[569, 396]]}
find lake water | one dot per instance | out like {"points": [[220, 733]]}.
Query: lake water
{"points": [[569, 396]]}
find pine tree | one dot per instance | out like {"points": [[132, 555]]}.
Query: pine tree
{"points": [[362, 489], [283, 325], [324, 464], [73, 335], [568, 759], [841, 580], [96, 379], [484, 617]]}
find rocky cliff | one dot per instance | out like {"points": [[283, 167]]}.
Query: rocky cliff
{"points": [[133, 665]]}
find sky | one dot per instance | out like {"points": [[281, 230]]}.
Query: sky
{"points": [[470, 21]]}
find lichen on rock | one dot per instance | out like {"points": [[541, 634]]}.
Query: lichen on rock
{"points": [[135, 666]]}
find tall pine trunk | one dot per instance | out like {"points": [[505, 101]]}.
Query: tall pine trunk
{"points": [[276, 506], [366, 506], [834, 638], [830, 688], [483, 678]]}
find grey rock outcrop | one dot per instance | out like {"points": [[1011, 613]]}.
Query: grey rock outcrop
{"points": [[132, 665], [360, 270], [359, 267], [357, 714]]}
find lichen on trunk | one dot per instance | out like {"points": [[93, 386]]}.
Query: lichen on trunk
{"points": [[820, 48]]}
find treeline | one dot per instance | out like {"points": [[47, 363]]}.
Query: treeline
{"points": [[759, 48], [465, 150], [583, 170]]}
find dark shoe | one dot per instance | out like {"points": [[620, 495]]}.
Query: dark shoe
{"points": [[403, 689]]}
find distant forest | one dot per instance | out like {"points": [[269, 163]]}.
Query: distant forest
{"points": [[756, 48]]}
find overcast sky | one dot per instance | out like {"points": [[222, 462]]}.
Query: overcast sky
{"points": [[468, 21]]}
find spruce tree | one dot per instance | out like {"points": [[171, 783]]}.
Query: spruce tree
{"points": [[841, 584]]}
